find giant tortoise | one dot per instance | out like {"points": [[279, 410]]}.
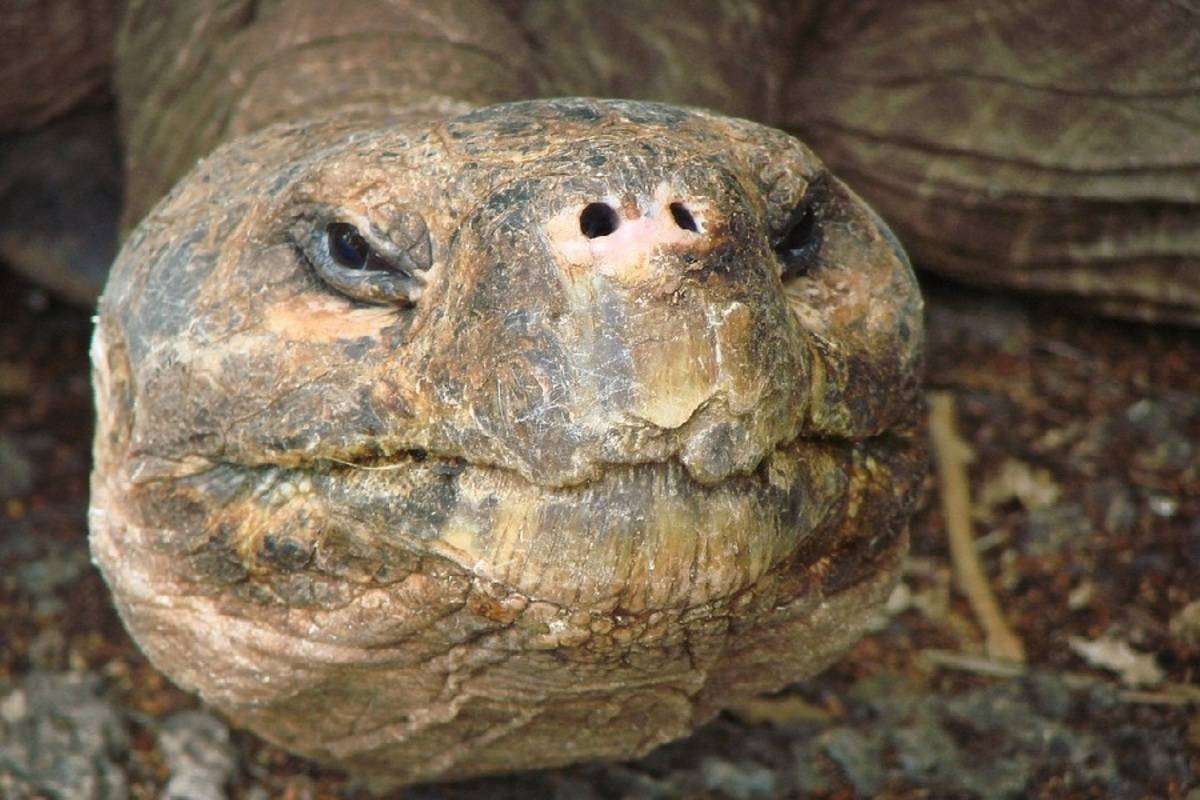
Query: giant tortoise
{"points": [[444, 430]]}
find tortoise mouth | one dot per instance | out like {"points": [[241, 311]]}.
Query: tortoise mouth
{"points": [[713, 445], [636, 536]]}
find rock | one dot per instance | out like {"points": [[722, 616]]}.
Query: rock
{"points": [[1001, 778], [893, 697], [738, 781], [1091, 760], [573, 788], [859, 758], [38, 579], [625, 781], [1048, 694], [199, 755], [996, 710], [809, 774], [60, 738], [1162, 505], [926, 752], [1169, 758], [1162, 424], [1024, 741]]}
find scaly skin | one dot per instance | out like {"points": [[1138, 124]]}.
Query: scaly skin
{"points": [[569, 501], [1033, 145]]}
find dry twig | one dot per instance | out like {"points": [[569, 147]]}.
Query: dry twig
{"points": [[979, 665], [1169, 694], [951, 456]]}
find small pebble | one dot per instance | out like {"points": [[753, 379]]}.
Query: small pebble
{"points": [[738, 781], [809, 774], [925, 751], [199, 755], [859, 758], [1162, 505], [1048, 693], [62, 738]]}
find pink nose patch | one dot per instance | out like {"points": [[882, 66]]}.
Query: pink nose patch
{"points": [[599, 238]]}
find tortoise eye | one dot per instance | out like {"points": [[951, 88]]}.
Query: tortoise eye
{"points": [[347, 246], [799, 245], [799, 239], [370, 264]]}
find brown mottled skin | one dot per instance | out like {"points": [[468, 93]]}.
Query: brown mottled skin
{"points": [[1031, 144], [567, 504], [542, 495]]}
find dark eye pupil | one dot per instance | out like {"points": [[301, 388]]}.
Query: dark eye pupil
{"points": [[799, 236], [797, 248], [347, 246]]}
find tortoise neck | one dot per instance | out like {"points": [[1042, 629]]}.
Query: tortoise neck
{"points": [[210, 71], [194, 74]]}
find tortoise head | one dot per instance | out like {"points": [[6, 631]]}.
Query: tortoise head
{"points": [[608, 357]]}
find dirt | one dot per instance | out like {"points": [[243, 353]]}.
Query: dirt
{"points": [[1086, 489]]}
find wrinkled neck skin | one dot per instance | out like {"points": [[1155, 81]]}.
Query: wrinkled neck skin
{"points": [[205, 73]]}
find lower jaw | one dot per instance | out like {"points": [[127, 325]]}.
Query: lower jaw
{"points": [[405, 663], [614, 685]]}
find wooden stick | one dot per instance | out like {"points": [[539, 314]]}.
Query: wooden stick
{"points": [[978, 665], [951, 455], [1169, 694]]}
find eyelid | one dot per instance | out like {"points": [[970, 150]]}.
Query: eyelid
{"points": [[383, 287], [415, 258], [400, 282]]}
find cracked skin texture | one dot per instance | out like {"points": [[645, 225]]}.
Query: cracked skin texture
{"points": [[502, 527]]}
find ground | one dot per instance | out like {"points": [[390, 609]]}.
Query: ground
{"points": [[1086, 505]]}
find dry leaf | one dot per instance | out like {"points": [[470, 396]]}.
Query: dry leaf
{"points": [[1016, 480], [1115, 655], [1185, 625]]}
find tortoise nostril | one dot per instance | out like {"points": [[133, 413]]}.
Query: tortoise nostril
{"points": [[598, 219], [683, 217]]}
